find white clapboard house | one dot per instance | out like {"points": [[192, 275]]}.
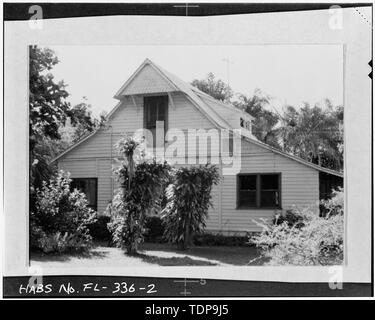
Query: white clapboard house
{"points": [[264, 180]]}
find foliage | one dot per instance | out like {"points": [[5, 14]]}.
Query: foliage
{"points": [[48, 108], [208, 239], [99, 230], [141, 189], [306, 239], [334, 205], [48, 105], [291, 217], [264, 128], [83, 122], [60, 243], [215, 88], [314, 134], [189, 198], [154, 229], [62, 218], [50, 113]]}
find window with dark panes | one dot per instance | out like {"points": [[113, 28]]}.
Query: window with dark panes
{"points": [[89, 186], [247, 191], [269, 190], [155, 109], [259, 190]]}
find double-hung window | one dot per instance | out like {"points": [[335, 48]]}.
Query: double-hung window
{"points": [[259, 190]]}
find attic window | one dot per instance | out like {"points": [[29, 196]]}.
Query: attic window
{"points": [[241, 122], [155, 109]]}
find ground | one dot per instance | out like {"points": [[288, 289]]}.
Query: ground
{"points": [[151, 254]]}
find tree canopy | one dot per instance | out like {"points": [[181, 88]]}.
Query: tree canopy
{"points": [[215, 88], [53, 124], [314, 133]]}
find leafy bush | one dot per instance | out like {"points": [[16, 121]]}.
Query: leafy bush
{"points": [[99, 229], [208, 239], [58, 242], [61, 219], [291, 217], [334, 205], [141, 189], [189, 198], [154, 229], [306, 239]]}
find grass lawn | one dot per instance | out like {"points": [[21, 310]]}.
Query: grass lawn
{"points": [[152, 254]]}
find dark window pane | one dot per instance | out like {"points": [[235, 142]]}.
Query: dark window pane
{"points": [[155, 110], [269, 198], [161, 111], [269, 182], [247, 198], [248, 182]]}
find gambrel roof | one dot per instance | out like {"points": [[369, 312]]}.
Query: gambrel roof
{"points": [[158, 80]]}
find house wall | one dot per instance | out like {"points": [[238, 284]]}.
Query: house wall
{"points": [[94, 158], [299, 187]]}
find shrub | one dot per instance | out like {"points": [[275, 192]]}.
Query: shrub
{"points": [[208, 239], [306, 239], [59, 242], [189, 198], [141, 189], [61, 219], [154, 229], [334, 205], [291, 217], [99, 229]]}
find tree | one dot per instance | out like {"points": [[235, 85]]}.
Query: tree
{"points": [[215, 88], [53, 125], [83, 122], [141, 188], [314, 134], [47, 101], [48, 110], [189, 198], [265, 120]]}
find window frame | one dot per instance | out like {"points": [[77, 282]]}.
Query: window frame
{"points": [[258, 205], [95, 206]]}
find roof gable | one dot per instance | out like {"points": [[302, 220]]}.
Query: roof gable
{"points": [[145, 80], [150, 78]]}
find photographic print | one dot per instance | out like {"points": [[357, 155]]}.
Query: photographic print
{"points": [[187, 150], [212, 170]]}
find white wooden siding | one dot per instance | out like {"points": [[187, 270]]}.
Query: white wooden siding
{"points": [[92, 158], [299, 187], [185, 115]]}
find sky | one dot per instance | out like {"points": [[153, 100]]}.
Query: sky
{"points": [[290, 74]]}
